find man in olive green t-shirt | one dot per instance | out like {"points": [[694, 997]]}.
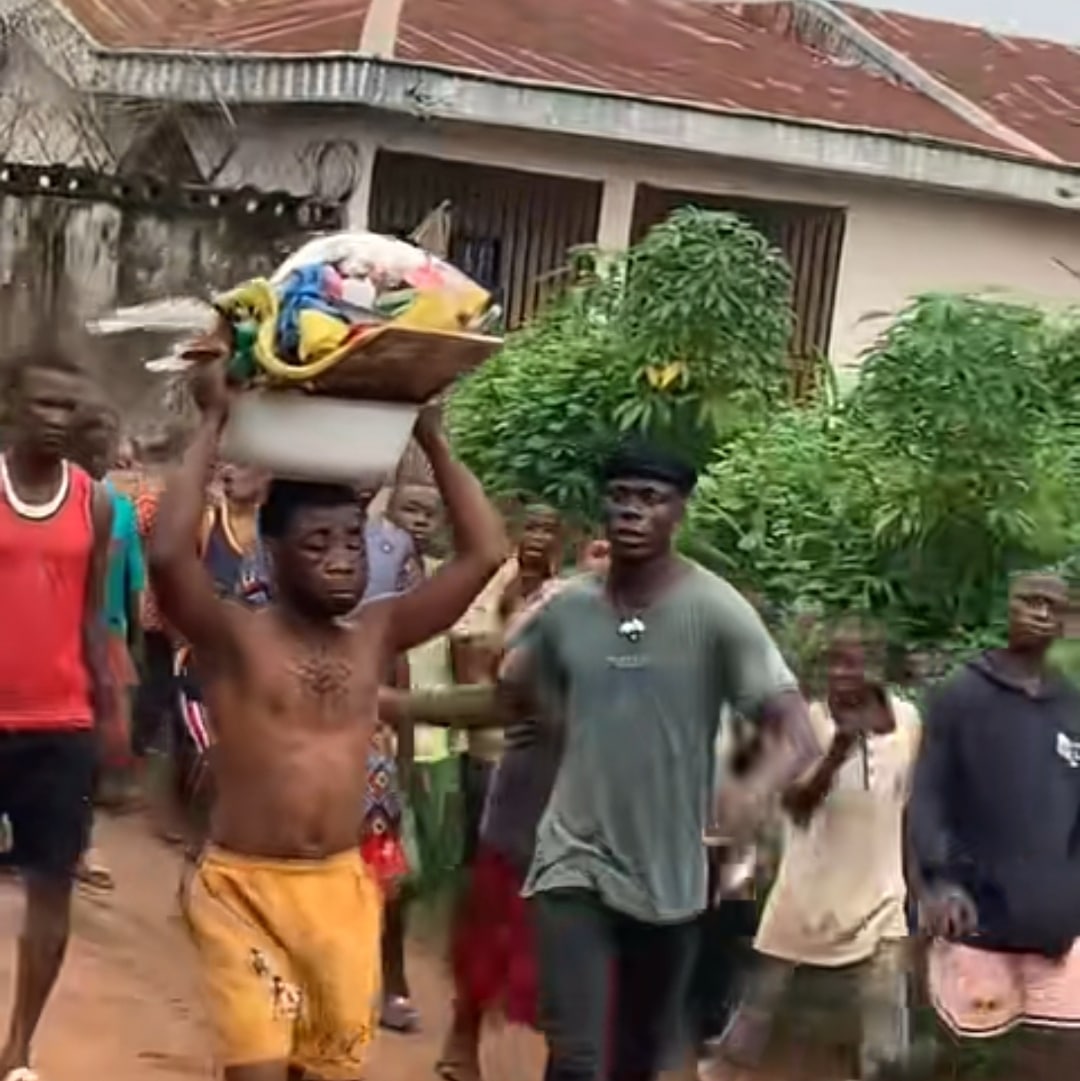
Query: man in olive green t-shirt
{"points": [[639, 666]]}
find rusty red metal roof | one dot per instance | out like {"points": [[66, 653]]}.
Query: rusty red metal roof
{"points": [[703, 54], [1031, 86], [699, 52], [296, 27]]}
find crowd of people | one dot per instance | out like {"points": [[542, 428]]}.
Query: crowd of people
{"points": [[339, 714]]}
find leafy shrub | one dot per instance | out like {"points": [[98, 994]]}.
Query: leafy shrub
{"points": [[952, 463], [682, 339]]}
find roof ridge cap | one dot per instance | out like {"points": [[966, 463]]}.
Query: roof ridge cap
{"points": [[379, 33], [909, 71]]}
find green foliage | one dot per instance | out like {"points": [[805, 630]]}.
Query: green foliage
{"points": [[682, 339], [953, 462], [706, 302]]}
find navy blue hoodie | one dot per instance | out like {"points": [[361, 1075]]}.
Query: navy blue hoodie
{"points": [[995, 807]]}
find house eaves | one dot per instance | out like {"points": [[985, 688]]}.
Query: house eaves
{"points": [[428, 92]]}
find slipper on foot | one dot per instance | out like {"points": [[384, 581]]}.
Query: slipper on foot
{"points": [[399, 1015]]}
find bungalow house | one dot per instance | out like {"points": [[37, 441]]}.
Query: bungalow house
{"points": [[887, 154]]}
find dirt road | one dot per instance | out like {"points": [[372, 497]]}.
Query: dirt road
{"points": [[127, 1007]]}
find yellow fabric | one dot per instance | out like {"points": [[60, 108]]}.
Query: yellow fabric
{"points": [[289, 951], [840, 890], [320, 335], [437, 310]]}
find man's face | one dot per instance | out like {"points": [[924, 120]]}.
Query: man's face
{"points": [[845, 669], [640, 517], [45, 405], [321, 562], [1037, 607], [541, 535], [243, 485], [95, 446], [418, 510], [125, 455]]}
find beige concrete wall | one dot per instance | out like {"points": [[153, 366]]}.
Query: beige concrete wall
{"points": [[898, 242], [902, 243]]}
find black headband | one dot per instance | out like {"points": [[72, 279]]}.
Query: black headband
{"points": [[643, 461]]}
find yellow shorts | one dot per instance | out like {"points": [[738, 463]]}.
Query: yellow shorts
{"points": [[289, 951]]}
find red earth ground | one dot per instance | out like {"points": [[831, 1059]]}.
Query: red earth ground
{"points": [[127, 1006]]}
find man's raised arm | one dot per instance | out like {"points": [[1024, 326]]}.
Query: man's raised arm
{"points": [[480, 547], [182, 584]]}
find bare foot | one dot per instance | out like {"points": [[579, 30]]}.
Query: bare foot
{"points": [[459, 1059]]}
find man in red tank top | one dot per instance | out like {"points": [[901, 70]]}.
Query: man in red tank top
{"points": [[55, 524]]}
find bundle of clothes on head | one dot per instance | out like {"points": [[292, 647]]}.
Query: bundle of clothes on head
{"points": [[321, 303], [315, 310]]}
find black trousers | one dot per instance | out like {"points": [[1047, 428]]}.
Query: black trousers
{"points": [[611, 988], [726, 948], [475, 781]]}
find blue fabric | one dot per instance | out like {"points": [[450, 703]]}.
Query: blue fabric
{"points": [[390, 552], [303, 291], [242, 575]]}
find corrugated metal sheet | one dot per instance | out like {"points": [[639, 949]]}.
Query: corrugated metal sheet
{"points": [[675, 50], [683, 50], [270, 26], [510, 230], [811, 238], [1032, 86]]}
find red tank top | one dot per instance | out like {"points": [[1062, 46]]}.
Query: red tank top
{"points": [[44, 563]]}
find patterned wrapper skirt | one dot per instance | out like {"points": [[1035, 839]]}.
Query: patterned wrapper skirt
{"points": [[493, 951], [381, 842]]}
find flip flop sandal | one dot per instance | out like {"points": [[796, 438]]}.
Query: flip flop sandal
{"points": [[22, 1073], [456, 1071], [96, 877], [399, 1015]]}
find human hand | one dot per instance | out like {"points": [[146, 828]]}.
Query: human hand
{"points": [[740, 811], [596, 557], [869, 712], [947, 912], [210, 388], [429, 425]]}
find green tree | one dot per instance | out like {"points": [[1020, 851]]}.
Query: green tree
{"points": [[953, 462], [682, 339]]}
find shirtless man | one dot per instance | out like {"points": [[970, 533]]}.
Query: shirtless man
{"points": [[282, 910]]}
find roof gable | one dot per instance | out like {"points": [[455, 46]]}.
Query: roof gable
{"points": [[1032, 86]]}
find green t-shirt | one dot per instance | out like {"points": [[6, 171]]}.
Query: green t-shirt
{"points": [[630, 804]]}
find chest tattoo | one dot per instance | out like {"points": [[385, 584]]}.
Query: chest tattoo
{"points": [[324, 676]]}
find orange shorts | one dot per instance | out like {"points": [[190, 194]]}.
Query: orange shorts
{"points": [[982, 994], [289, 951]]}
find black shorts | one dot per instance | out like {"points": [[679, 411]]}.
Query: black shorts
{"points": [[46, 791]]}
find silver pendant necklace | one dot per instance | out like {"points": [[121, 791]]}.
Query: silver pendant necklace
{"points": [[632, 629]]}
